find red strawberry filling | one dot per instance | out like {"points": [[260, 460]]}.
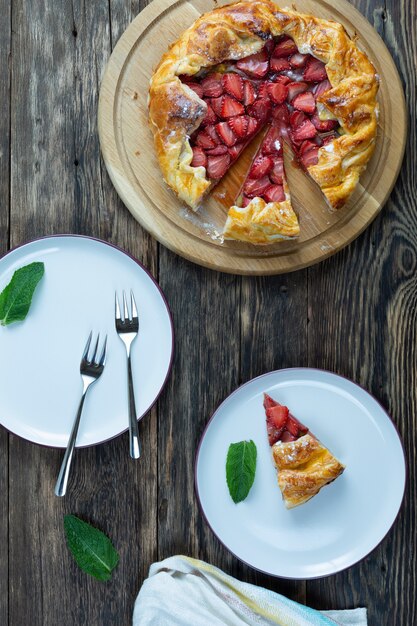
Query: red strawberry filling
{"points": [[278, 86], [281, 424]]}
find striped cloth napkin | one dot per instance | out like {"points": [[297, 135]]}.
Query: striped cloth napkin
{"points": [[181, 591]]}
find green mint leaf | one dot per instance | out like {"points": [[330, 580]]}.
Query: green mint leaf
{"points": [[92, 550], [16, 297], [240, 469]]}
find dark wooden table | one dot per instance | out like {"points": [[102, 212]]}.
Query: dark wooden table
{"points": [[355, 314]]}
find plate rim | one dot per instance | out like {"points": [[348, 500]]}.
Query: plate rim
{"points": [[188, 245], [170, 319], [298, 369]]}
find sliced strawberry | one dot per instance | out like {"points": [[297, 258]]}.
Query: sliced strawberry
{"points": [[281, 115], [263, 91], [235, 150], [253, 126], [315, 71], [282, 78], [274, 434], [226, 134], [204, 140], [321, 88], [294, 89], [306, 146], [280, 65], [278, 92], [269, 46], [285, 48], [211, 132], [328, 138], [305, 102], [220, 149], [239, 125], [311, 157], [233, 85], [185, 78], [324, 125], [216, 104], [260, 167], [297, 118], [212, 86], [274, 193], [295, 427], [272, 142], [217, 166], [249, 94], [277, 172], [256, 187], [210, 116], [197, 88], [305, 131], [268, 401], [245, 201], [287, 436], [255, 64], [299, 60], [260, 109], [199, 157], [277, 415], [231, 107]]}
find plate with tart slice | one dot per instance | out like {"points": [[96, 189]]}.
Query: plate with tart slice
{"points": [[250, 138], [330, 473]]}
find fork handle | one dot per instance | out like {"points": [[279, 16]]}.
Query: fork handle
{"points": [[134, 444], [61, 483]]}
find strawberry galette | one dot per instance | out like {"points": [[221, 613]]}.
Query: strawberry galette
{"points": [[304, 465], [249, 68]]}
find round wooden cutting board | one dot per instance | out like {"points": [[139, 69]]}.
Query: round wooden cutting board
{"points": [[127, 146]]}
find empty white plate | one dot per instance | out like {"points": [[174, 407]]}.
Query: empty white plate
{"points": [[40, 383], [347, 519]]}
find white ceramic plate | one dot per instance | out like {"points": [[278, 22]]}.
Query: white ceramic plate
{"points": [[40, 384], [347, 519]]}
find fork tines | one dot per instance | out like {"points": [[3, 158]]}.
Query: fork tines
{"points": [[128, 314], [92, 359]]}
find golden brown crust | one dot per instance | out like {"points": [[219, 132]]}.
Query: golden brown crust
{"points": [[304, 467], [262, 223], [236, 31]]}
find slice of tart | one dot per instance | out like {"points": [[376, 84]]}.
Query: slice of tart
{"points": [[263, 211], [304, 465]]}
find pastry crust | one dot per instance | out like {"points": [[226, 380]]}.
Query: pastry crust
{"points": [[236, 31], [261, 222], [304, 467]]}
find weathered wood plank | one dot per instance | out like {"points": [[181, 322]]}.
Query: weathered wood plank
{"points": [[59, 185], [205, 308], [362, 325], [5, 51], [273, 336]]}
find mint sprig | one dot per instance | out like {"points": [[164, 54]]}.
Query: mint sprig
{"points": [[16, 297], [92, 550], [240, 469]]}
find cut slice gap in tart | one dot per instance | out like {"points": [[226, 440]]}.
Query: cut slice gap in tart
{"points": [[304, 465], [277, 86]]}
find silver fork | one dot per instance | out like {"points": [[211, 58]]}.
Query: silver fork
{"points": [[127, 327], [90, 371]]}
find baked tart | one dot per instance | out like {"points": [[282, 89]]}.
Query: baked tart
{"points": [[253, 67], [303, 463]]}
